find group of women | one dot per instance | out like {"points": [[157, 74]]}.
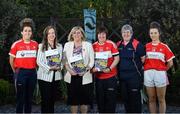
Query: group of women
{"points": [[128, 60]]}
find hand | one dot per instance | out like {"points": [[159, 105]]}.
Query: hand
{"points": [[106, 70], [53, 68], [94, 70], [82, 74], [58, 68], [72, 73]]}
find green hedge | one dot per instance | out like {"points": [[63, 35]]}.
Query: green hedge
{"points": [[173, 90], [7, 92]]}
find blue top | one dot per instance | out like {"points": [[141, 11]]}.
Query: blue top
{"points": [[130, 58]]}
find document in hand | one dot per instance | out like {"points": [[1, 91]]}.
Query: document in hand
{"points": [[101, 59], [52, 57], [77, 63]]}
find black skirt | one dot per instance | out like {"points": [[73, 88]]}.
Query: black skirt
{"points": [[79, 94]]}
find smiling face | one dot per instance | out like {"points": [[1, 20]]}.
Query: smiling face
{"points": [[126, 34], [77, 35], [154, 34], [26, 33], [51, 35], [101, 37]]}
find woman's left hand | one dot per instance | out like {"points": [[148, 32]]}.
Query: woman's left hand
{"points": [[82, 74], [106, 70], [55, 68]]}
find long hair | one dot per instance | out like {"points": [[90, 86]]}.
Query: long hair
{"points": [[45, 40]]}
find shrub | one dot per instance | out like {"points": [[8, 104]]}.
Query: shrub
{"points": [[173, 90], [63, 89], [6, 92]]}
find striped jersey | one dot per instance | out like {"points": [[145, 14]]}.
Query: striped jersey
{"points": [[157, 56], [112, 50], [24, 54]]}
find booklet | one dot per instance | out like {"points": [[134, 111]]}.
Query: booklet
{"points": [[77, 63], [52, 57], [101, 59]]}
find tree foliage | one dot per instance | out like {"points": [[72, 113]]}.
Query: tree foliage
{"points": [[166, 12], [10, 15], [139, 13]]}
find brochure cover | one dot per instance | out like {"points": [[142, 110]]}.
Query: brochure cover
{"points": [[101, 59], [78, 64], [52, 57]]}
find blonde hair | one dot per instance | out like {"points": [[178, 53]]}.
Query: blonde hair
{"points": [[70, 38]]}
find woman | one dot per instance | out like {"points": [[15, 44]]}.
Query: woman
{"points": [[159, 58], [79, 56], [132, 56], [106, 59], [49, 72], [23, 63]]}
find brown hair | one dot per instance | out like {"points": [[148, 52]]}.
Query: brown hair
{"points": [[45, 41], [155, 25], [101, 29], [27, 22]]}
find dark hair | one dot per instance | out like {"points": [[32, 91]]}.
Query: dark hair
{"points": [[45, 41], [27, 22], [155, 25], [102, 29]]}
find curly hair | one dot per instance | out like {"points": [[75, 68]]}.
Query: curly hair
{"points": [[27, 22]]}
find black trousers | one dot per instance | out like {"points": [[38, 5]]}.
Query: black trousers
{"points": [[131, 86], [48, 91], [79, 94], [106, 93], [25, 82]]}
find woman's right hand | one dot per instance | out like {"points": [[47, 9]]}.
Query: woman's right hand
{"points": [[53, 68], [93, 70], [72, 73]]}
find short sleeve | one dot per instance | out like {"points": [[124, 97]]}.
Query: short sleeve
{"points": [[13, 50], [114, 49], [168, 54]]}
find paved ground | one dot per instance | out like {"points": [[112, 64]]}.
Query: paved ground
{"points": [[62, 108]]}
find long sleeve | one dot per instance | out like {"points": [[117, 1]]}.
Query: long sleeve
{"points": [[91, 53], [41, 59], [61, 55]]}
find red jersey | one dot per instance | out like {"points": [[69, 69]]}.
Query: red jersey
{"points": [[112, 50], [24, 54], [157, 56]]}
